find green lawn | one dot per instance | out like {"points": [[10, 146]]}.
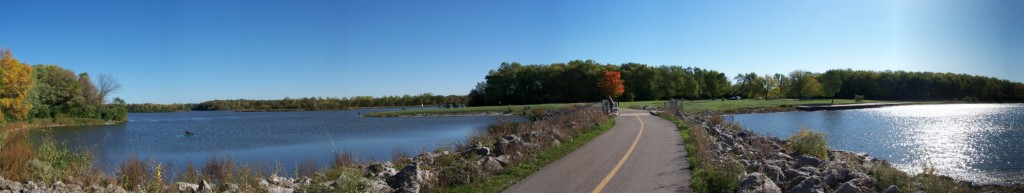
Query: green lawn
{"points": [[513, 109], [732, 105]]}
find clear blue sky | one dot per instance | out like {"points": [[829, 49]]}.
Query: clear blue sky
{"points": [[192, 51]]}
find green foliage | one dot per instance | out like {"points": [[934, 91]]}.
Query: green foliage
{"points": [[514, 83], [712, 179], [831, 83], [329, 103], [807, 142], [60, 160], [903, 85], [858, 98]]}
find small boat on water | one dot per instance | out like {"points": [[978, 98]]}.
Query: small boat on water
{"points": [[188, 133]]}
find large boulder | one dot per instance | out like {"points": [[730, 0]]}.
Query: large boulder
{"points": [[848, 188], [380, 171], [489, 164], [757, 182], [187, 187], [775, 174], [205, 186], [807, 160], [410, 179], [809, 185]]}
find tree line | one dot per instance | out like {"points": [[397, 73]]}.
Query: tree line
{"points": [[306, 104], [45, 91], [578, 80], [881, 85]]}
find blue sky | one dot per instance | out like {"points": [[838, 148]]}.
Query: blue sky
{"points": [[192, 51]]}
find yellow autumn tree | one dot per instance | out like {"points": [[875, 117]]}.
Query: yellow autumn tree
{"points": [[15, 84]]}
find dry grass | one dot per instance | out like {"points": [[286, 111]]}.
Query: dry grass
{"points": [[219, 170], [343, 159], [15, 153], [307, 167], [132, 173]]}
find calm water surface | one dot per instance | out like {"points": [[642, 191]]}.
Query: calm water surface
{"points": [[977, 142], [266, 138]]}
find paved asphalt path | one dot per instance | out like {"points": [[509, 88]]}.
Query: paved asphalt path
{"points": [[619, 161]]}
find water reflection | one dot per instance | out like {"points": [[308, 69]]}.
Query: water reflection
{"points": [[980, 142]]}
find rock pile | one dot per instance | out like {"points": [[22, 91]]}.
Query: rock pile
{"points": [[769, 168], [58, 186]]}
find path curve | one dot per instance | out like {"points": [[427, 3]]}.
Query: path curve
{"points": [[619, 160]]}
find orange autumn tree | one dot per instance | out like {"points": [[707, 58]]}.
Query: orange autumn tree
{"points": [[15, 83], [611, 84]]}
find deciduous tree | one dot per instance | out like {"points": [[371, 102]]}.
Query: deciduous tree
{"points": [[611, 84]]}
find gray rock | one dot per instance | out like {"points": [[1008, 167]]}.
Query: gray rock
{"points": [[809, 185], [843, 175], [278, 189], [205, 186], [410, 179], [807, 160], [757, 182], [830, 179], [892, 189], [775, 174], [482, 151], [231, 187], [848, 188], [489, 164], [813, 171], [555, 142], [793, 181], [504, 160], [262, 183], [188, 187], [781, 155], [791, 174], [377, 186], [380, 171]]}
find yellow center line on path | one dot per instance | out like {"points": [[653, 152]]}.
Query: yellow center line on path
{"points": [[621, 161]]}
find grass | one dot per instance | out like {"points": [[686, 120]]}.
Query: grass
{"points": [[709, 174], [727, 106], [739, 106], [529, 165], [510, 109], [807, 142]]}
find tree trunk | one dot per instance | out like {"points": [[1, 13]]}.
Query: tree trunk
{"points": [[833, 98]]}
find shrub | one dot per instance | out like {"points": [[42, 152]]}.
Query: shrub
{"points": [[858, 98], [59, 160], [132, 173], [219, 170], [808, 142], [453, 170], [712, 179], [887, 176]]}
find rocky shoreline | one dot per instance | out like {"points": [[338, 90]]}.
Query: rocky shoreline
{"points": [[769, 167]]}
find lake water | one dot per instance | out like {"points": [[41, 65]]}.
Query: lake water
{"points": [[266, 138], [977, 142]]}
